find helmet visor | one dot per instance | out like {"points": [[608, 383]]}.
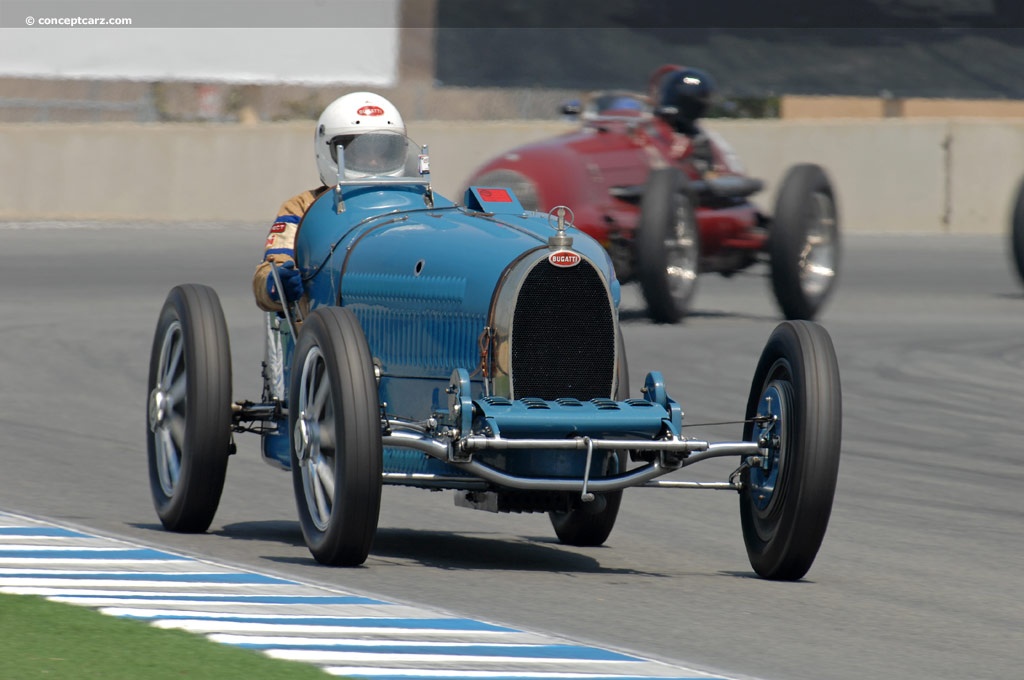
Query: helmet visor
{"points": [[372, 153]]}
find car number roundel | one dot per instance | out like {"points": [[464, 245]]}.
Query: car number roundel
{"points": [[564, 258]]}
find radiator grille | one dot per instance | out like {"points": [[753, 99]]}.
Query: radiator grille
{"points": [[563, 335]]}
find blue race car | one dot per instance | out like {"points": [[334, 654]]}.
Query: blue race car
{"points": [[474, 348]]}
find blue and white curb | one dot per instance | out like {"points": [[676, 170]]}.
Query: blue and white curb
{"points": [[345, 634]]}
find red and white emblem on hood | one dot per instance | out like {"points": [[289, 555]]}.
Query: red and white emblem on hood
{"points": [[370, 110], [564, 258]]}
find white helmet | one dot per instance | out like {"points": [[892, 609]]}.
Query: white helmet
{"points": [[356, 114]]}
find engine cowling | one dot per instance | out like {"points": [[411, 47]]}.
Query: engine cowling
{"points": [[448, 287]]}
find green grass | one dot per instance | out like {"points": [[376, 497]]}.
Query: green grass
{"points": [[43, 639]]}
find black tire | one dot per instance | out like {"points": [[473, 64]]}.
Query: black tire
{"points": [[667, 246], [785, 504], [590, 524], [189, 409], [803, 243], [337, 453], [1017, 232]]}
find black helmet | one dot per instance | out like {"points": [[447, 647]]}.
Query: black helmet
{"points": [[684, 97]]}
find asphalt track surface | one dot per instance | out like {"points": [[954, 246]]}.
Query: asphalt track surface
{"points": [[918, 576]]}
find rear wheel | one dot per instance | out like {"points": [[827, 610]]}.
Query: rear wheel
{"points": [[1017, 232], [189, 409], [667, 244], [804, 242], [337, 453], [787, 492], [591, 523]]}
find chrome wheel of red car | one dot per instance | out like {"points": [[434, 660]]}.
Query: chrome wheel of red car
{"points": [[337, 452], [189, 409], [667, 246], [804, 242], [1017, 232]]}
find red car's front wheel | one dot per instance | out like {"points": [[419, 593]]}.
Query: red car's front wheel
{"points": [[667, 246], [804, 242]]}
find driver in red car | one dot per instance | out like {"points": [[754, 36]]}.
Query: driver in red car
{"points": [[344, 119], [682, 96]]}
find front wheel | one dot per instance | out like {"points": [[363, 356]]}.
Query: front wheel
{"points": [[795, 411], [337, 452], [803, 243], [189, 409], [667, 246]]}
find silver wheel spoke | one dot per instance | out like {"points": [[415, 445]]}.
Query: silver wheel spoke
{"points": [[314, 401], [323, 390], [177, 389], [821, 270], [322, 507], [327, 442], [167, 409], [817, 257], [168, 459], [176, 427], [325, 474], [175, 358], [683, 240]]}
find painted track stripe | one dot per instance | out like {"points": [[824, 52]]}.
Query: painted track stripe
{"points": [[165, 583], [330, 657], [536, 652], [415, 622], [405, 674], [238, 592], [354, 623], [284, 641], [127, 577], [342, 633], [220, 626], [239, 599], [41, 532], [55, 553]]}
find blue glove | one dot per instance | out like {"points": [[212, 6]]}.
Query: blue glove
{"points": [[291, 281]]}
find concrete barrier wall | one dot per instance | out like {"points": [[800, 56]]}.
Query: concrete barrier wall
{"points": [[890, 175], [897, 175]]}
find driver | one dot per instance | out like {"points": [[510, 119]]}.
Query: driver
{"points": [[380, 151], [682, 98]]}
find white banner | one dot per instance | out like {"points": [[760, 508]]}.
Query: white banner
{"points": [[315, 56]]}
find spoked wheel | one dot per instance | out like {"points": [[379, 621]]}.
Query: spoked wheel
{"points": [[804, 242], [189, 409], [667, 244], [337, 454], [591, 523], [787, 493], [1017, 232]]}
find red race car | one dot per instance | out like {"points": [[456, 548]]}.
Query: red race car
{"points": [[669, 200]]}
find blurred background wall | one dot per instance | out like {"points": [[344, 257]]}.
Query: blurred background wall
{"points": [[916, 107]]}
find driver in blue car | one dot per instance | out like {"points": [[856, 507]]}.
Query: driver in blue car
{"points": [[346, 118]]}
